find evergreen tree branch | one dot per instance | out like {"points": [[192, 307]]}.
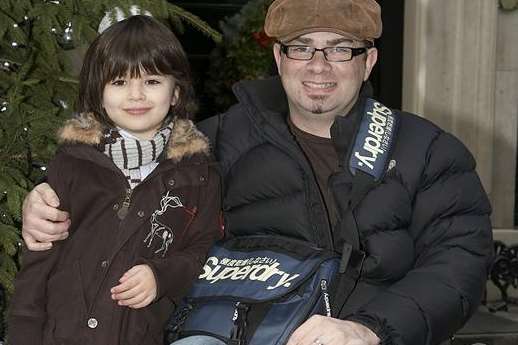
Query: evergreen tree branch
{"points": [[196, 22]]}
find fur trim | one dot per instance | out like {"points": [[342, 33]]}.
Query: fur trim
{"points": [[81, 129], [186, 140]]}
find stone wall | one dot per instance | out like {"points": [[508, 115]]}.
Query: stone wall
{"points": [[461, 72]]}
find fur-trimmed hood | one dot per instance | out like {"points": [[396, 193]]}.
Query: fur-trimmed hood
{"points": [[186, 140]]}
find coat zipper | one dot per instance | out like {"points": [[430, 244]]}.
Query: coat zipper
{"points": [[281, 144], [123, 211], [327, 225], [327, 215]]}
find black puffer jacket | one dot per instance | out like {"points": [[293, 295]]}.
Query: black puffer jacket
{"points": [[424, 227]]}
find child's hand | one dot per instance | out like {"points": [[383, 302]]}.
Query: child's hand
{"points": [[137, 287]]}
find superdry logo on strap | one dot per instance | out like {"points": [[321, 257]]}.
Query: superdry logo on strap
{"points": [[263, 269], [374, 139]]}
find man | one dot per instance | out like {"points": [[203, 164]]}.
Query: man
{"points": [[309, 155]]}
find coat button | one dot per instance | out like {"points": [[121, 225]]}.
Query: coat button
{"points": [[202, 178], [171, 182], [141, 213], [104, 263], [92, 323]]}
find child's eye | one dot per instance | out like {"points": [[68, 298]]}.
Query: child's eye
{"points": [[152, 81], [118, 82]]}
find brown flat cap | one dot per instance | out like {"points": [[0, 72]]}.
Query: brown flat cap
{"points": [[356, 19]]}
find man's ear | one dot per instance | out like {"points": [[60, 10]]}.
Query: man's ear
{"points": [[372, 57], [277, 55], [176, 95]]}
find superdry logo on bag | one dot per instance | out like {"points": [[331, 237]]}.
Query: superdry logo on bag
{"points": [[256, 290], [374, 139], [264, 269]]}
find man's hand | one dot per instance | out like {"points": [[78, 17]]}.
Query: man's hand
{"points": [[323, 330], [137, 287], [43, 223]]}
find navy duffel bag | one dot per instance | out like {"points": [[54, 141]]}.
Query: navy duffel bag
{"points": [[256, 290]]}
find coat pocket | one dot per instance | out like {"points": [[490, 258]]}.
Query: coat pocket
{"points": [[48, 333], [140, 328], [66, 305]]}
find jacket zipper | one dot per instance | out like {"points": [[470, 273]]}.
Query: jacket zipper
{"points": [[327, 225], [123, 211], [281, 144], [126, 203], [327, 215]]}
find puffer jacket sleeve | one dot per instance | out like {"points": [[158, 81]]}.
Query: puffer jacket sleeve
{"points": [[453, 238]]}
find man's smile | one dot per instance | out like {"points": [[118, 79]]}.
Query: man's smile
{"points": [[326, 86]]}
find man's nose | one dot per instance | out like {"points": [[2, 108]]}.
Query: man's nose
{"points": [[318, 63]]}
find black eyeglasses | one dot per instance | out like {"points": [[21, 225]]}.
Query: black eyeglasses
{"points": [[331, 54]]}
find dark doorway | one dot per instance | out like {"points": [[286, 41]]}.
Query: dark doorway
{"points": [[386, 77], [199, 47]]}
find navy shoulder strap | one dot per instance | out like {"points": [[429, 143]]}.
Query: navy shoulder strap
{"points": [[374, 140], [368, 162]]}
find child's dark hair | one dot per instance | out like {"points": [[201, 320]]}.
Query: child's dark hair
{"points": [[136, 44]]}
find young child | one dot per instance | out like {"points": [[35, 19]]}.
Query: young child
{"points": [[143, 196]]}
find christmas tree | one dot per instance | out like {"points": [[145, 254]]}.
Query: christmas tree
{"points": [[40, 48], [245, 53]]}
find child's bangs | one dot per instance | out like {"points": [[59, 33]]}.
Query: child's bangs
{"points": [[134, 56]]}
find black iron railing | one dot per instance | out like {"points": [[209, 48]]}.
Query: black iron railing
{"points": [[504, 274]]}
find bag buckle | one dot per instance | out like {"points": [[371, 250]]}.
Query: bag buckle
{"points": [[174, 326], [237, 335], [351, 258]]}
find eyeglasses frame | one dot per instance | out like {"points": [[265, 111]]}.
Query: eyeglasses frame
{"points": [[354, 51]]}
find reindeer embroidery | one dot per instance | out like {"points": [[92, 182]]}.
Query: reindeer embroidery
{"points": [[160, 230]]}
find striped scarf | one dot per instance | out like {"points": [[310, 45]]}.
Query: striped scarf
{"points": [[130, 154]]}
